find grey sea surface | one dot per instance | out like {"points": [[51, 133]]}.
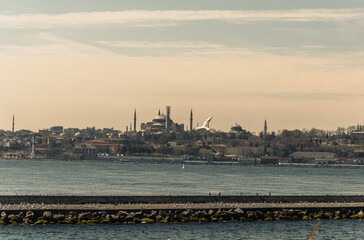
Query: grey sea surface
{"points": [[290, 230], [34, 177]]}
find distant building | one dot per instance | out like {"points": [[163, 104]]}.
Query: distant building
{"points": [[313, 157], [162, 123], [89, 131], [90, 149], [269, 160], [357, 135], [57, 130], [71, 131], [236, 131]]}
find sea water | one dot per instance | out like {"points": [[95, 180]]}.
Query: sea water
{"points": [[290, 230], [99, 178], [109, 178]]}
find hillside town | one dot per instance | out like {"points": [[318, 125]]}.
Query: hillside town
{"points": [[163, 140]]}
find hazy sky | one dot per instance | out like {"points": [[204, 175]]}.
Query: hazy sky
{"points": [[299, 64]]}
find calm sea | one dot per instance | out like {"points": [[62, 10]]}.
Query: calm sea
{"points": [[96, 178]]}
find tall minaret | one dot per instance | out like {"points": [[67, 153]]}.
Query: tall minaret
{"points": [[265, 127], [191, 121], [32, 155], [168, 118], [134, 120], [13, 123]]}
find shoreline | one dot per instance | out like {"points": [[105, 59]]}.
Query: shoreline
{"points": [[189, 162]]}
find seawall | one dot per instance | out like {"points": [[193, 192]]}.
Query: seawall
{"points": [[18, 199], [165, 209]]}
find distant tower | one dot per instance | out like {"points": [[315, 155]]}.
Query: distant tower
{"points": [[265, 127], [130, 129], [13, 124], [127, 128], [32, 155], [191, 121], [159, 112], [134, 120], [168, 117]]}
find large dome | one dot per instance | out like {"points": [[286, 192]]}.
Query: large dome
{"points": [[160, 118], [236, 128]]}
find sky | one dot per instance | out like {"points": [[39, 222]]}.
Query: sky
{"points": [[298, 64]]}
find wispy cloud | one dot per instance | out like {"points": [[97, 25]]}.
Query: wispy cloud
{"points": [[171, 44], [167, 17], [212, 49], [52, 46], [183, 48], [324, 96]]}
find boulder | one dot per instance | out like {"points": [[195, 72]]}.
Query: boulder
{"points": [[138, 214], [30, 216], [21, 215], [47, 215], [211, 212], [187, 213], [239, 211], [59, 217], [121, 214], [3, 216], [84, 216]]}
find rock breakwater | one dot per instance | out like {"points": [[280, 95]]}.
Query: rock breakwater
{"points": [[170, 216], [174, 209]]}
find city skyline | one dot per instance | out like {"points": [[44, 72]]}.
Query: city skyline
{"points": [[136, 126], [297, 64]]}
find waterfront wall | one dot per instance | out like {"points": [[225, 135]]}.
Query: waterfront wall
{"points": [[18, 199]]}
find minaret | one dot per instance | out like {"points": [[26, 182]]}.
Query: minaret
{"points": [[168, 117], [134, 120], [32, 155], [191, 121], [265, 127], [13, 123]]}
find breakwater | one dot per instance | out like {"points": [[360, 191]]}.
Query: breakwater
{"points": [[171, 216], [18, 199], [152, 209]]}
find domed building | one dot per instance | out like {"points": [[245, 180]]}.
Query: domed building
{"points": [[162, 123], [236, 131], [161, 118], [236, 128]]}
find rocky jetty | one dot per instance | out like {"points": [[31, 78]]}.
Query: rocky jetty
{"points": [[174, 209], [170, 216]]}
